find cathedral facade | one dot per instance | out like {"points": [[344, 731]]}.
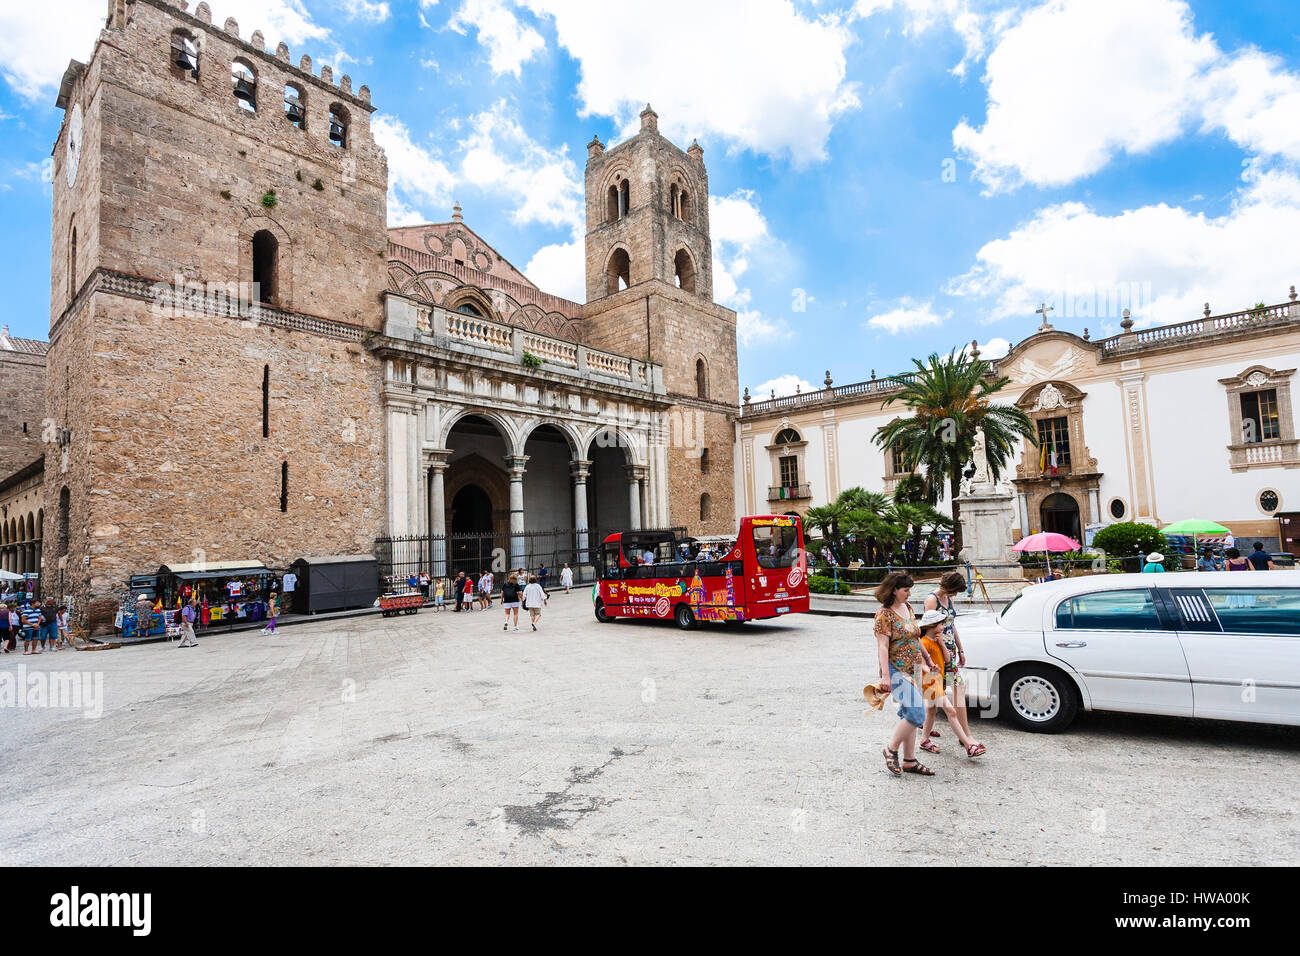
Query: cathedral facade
{"points": [[245, 363]]}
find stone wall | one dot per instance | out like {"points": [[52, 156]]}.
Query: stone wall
{"points": [[22, 409], [169, 463]]}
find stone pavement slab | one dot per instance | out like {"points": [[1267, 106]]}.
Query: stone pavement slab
{"points": [[438, 738]]}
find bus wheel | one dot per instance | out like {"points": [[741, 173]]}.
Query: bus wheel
{"points": [[685, 619], [601, 614]]}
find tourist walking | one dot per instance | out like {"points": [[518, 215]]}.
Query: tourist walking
{"points": [[63, 619], [5, 629], [954, 655], [542, 575], [439, 590], [485, 589], [898, 643], [457, 585], [50, 625], [190, 614], [1260, 559], [534, 597], [272, 612], [510, 600], [566, 578], [31, 616], [1155, 563], [467, 592]]}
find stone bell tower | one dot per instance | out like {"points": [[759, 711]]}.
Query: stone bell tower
{"points": [[218, 257], [650, 295]]}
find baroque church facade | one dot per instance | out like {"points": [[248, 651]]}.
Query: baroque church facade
{"points": [[245, 363]]}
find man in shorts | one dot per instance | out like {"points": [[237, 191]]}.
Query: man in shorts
{"points": [[534, 598]]}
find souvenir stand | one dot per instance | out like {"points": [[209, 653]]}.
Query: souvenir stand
{"points": [[127, 620], [229, 592]]}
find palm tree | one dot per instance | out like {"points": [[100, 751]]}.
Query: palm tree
{"points": [[950, 398]]}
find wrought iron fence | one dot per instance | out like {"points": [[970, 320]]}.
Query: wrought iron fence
{"points": [[501, 552]]}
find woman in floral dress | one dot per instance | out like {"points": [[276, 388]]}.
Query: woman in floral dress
{"points": [[898, 640]]}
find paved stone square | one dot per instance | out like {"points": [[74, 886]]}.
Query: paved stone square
{"points": [[438, 738]]}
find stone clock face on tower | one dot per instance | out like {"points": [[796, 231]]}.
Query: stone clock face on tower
{"points": [[74, 144]]}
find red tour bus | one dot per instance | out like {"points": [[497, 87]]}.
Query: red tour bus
{"points": [[763, 574]]}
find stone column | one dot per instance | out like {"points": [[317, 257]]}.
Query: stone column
{"points": [[515, 465], [1024, 515], [634, 475], [1094, 506], [437, 461], [579, 468]]}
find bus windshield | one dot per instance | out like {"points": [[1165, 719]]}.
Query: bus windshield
{"points": [[776, 545]]}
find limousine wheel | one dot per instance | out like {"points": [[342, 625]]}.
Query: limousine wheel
{"points": [[1038, 698], [685, 619], [601, 614]]}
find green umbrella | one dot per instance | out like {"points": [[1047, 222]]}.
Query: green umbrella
{"points": [[1195, 526]]}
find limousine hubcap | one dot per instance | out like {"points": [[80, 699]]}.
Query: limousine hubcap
{"points": [[1035, 698]]}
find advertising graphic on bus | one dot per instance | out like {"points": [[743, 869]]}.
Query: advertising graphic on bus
{"points": [[655, 574]]}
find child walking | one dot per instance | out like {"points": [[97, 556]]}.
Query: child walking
{"points": [[272, 612], [439, 591], [934, 683]]}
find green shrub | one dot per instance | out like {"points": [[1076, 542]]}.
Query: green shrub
{"points": [[531, 361], [818, 584], [269, 199], [1127, 538]]}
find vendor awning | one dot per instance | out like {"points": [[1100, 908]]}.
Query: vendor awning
{"points": [[213, 569]]}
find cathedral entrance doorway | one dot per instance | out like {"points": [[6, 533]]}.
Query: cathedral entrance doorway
{"points": [[1060, 515]]}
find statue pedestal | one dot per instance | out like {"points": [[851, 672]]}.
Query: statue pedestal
{"points": [[987, 523]]}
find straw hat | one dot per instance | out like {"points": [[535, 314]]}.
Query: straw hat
{"points": [[1155, 557], [875, 696]]}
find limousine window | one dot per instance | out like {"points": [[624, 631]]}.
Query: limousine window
{"points": [[1257, 610], [1109, 611]]}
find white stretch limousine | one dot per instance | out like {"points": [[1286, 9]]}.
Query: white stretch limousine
{"points": [[1194, 644]]}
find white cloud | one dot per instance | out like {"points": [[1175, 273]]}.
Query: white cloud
{"points": [[782, 385], [1076, 82], [758, 74], [1161, 261], [366, 10], [510, 44], [499, 158], [754, 328], [973, 26], [560, 269], [994, 348], [37, 40], [907, 316], [423, 179]]}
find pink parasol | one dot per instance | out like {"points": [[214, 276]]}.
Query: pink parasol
{"points": [[1046, 541]]}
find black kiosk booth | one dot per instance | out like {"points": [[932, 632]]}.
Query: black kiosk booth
{"points": [[336, 583]]}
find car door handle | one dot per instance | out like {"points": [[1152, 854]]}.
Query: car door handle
{"points": [[1073, 644]]}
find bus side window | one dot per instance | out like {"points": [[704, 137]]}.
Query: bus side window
{"points": [[612, 569]]}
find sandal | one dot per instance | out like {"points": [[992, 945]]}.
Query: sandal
{"points": [[928, 747], [935, 733], [975, 750], [920, 768], [891, 762]]}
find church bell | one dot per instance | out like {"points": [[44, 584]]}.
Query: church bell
{"points": [[244, 90]]}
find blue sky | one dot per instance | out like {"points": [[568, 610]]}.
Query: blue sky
{"points": [[889, 177]]}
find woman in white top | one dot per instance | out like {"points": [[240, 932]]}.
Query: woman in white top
{"points": [[566, 578], [534, 598]]}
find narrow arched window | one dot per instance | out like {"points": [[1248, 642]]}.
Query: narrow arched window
{"points": [[618, 272], [339, 126], [611, 204], [266, 249], [701, 378], [625, 198], [706, 507], [284, 486], [266, 401], [704, 461], [72, 264], [185, 55], [65, 506], [243, 82], [295, 106], [673, 205], [684, 205], [684, 271], [468, 308]]}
